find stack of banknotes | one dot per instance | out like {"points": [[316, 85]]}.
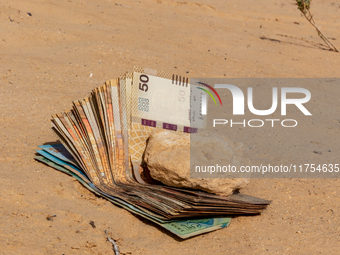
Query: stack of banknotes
{"points": [[101, 141]]}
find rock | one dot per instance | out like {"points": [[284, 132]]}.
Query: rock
{"points": [[92, 223], [167, 156]]}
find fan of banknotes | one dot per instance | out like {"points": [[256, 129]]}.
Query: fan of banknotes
{"points": [[101, 141]]}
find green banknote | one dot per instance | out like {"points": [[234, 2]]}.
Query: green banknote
{"points": [[189, 228]]}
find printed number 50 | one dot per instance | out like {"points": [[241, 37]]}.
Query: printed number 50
{"points": [[144, 79], [181, 96]]}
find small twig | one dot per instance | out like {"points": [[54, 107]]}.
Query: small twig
{"points": [[303, 6], [115, 246], [322, 35]]}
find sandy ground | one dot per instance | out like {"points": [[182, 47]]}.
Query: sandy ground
{"points": [[46, 59]]}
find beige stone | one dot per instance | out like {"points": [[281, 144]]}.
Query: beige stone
{"points": [[167, 156]]}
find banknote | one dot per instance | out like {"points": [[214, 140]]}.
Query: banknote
{"points": [[192, 227], [160, 101], [120, 167], [156, 102], [124, 89], [161, 98], [128, 88], [59, 151]]}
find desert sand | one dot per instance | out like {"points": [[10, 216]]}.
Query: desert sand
{"points": [[53, 52]]}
